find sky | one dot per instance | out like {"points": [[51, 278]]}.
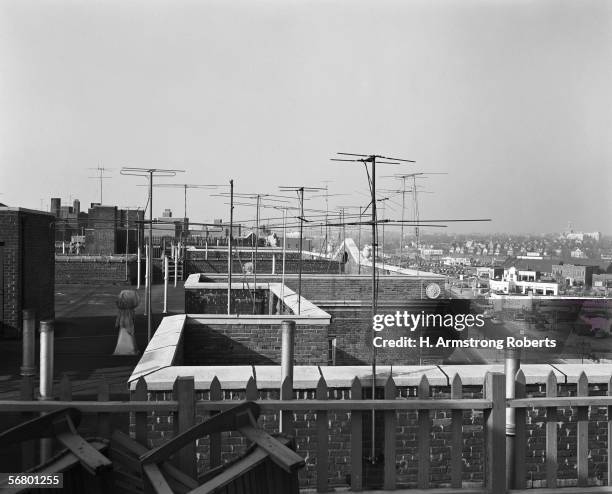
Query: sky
{"points": [[511, 99]]}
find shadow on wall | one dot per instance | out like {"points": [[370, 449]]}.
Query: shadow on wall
{"points": [[205, 346]]}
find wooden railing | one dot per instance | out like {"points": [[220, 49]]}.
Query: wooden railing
{"points": [[184, 408]]}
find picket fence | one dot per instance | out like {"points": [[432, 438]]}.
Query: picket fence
{"points": [[184, 407]]}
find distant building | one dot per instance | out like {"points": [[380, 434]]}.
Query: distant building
{"points": [[602, 282], [69, 220], [573, 274], [515, 281], [27, 267], [107, 227]]}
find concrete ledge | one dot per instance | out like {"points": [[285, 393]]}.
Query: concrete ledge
{"points": [[235, 377], [161, 350], [307, 376]]}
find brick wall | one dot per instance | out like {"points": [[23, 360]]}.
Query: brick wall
{"points": [[264, 266], [318, 287], [160, 429], [93, 271], [27, 264], [251, 344]]}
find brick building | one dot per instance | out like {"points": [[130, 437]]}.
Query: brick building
{"points": [[27, 266], [107, 227], [573, 274]]}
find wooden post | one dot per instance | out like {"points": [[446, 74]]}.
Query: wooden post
{"points": [[390, 419], [551, 433], [356, 439], [140, 418], [424, 436], [610, 435], [520, 441], [185, 419], [456, 434], [582, 435], [322, 438], [215, 438], [495, 433]]}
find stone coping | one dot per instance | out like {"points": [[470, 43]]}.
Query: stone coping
{"points": [[318, 276], [161, 350], [306, 377], [308, 310]]}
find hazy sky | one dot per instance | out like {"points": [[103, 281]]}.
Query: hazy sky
{"points": [[512, 98]]}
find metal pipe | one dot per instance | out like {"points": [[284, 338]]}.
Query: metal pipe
{"points": [[287, 357], [374, 300], [176, 263], [146, 279], [28, 367], [287, 349], [512, 364], [300, 259], [46, 360], [46, 380], [166, 269], [150, 258]]}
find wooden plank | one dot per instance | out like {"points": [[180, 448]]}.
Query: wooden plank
{"points": [[280, 454], [390, 421], [140, 418], [456, 448], [423, 436], [495, 433], [38, 427], [91, 459], [356, 439], [551, 433], [65, 388], [184, 389], [215, 437], [104, 419], [294, 405], [322, 439], [582, 438], [155, 479], [251, 393], [235, 471], [520, 440], [562, 402], [122, 442], [62, 464], [225, 421], [610, 435]]}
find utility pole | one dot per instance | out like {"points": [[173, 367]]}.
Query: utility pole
{"points": [[229, 250], [150, 173]]}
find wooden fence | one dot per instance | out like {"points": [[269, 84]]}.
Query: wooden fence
{"points": [[184, 408]]}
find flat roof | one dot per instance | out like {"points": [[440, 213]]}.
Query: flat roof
{"points": [[24, 210]]}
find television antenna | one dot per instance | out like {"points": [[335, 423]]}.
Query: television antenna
{"points": [[372, 159], [299, 190], [150, 173], [101, 177], [415, 210]]}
